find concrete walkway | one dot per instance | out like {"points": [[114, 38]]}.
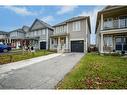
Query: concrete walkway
{"points": [[41, 75]]}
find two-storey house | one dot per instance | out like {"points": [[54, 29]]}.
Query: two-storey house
{"points": [[17, 37], [39, 33], [72, 35], [111, 29]]}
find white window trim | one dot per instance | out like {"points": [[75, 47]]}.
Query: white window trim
{"points": [[43, 32], [76, 26]]}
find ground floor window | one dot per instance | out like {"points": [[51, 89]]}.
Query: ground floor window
{"points": [[121, 43], [108, 43]]}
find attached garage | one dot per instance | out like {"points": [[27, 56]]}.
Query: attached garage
{"points": [[77, 46], [42, 45]]}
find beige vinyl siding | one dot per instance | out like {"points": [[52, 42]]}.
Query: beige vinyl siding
{"points": [[16, 35], [88, 36], [37, 26], [3, 36], [77, 34]]}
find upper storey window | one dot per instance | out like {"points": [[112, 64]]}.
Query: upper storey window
{"points": [[43, 32], [13, 34], [61, 29], [123, 21], [108, 23], [117, 22], [76, 26]]}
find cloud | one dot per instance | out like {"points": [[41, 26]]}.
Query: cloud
{"points": [[66, 9], [93, 17], [48, 19], [20, 10]]}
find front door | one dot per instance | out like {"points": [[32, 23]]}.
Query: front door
{"points": [[121, 43], [42, 45]]}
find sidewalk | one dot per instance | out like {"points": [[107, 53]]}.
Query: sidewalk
{"points": [[20, 64]]}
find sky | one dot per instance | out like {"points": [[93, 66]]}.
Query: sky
{"points": [[14, 17]]}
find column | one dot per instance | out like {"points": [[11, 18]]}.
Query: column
{"points": [[102, 42], [102, 22], [58, 48], [47, 40], [67, 48], [5, 41], [9, 40], [113, 37], [50, 43]]}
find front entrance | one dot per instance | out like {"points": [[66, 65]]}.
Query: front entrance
{"points": [[77, 46], [42, 45], [121, 43]]}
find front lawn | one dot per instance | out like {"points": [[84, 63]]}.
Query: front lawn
{"points": [[97, 72], [7, 58]]}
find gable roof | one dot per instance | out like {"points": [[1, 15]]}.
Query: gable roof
{"points": [[18, 30], [3, 33], [75, 19], [25, 28], [44, 24], [107, 9], [71, 20]]}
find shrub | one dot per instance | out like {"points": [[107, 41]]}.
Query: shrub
{"points": [[122, 52], [111, 54]]}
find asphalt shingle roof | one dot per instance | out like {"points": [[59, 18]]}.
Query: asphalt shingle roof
{"points": [[3, 33], [70, 20]]}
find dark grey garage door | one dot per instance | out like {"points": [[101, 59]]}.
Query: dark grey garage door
{"points": [[42, 45], [77, 46]]}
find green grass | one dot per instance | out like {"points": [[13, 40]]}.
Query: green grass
{"points": [[97, 72], [7, 58]]}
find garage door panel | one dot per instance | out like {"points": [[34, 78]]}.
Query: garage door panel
{"points": [[77, 46]]}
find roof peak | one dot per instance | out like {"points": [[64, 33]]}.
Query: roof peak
{"points": [[71, 19]]}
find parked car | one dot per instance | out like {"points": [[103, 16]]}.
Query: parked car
{"points": [[4, 48]]}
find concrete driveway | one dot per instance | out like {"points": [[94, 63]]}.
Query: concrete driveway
{"points": [[42, 75]]}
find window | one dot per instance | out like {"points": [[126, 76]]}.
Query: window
{"points": [[108, 44], [123, 21], [108, 23], [108, 41], [39, 32], [60, 29], [64, 28], [43, 32], [76, 26], [14, 34], [35, 33], [32, 34], [118, 40], [56, 29]]}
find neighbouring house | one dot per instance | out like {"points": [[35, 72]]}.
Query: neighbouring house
{"points": [[39, 33], [72, 35], [4, 39], [17, 37], [111, 29]]}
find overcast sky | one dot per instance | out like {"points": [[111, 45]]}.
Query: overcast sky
{"points": [[13, 17]]}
